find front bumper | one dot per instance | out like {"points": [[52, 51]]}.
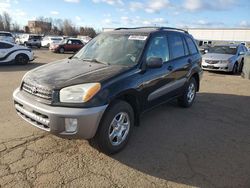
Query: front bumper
{"points": [[224, 67], [52, 119]]}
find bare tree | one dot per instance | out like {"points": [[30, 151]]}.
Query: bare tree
{"points": [[16, 27], [68, 28], [6, 21], [1, 23], [87, 31]]}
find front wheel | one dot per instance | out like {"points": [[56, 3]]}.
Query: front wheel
{"points": [[115, 128], [189, 94], [235, 69]]}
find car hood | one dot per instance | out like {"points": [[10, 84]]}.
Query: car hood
{"points": [[68, 72], [219, 57]]}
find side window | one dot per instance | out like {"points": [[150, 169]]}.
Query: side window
{"points": [[158, 47], [5, 45], [191, 45], [185, 47], [176, 46]]}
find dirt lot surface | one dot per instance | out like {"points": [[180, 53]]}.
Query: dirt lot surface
{"points": [[207, 145]]}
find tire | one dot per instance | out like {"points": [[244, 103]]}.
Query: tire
{"points": [[235, 69], [61, 50], [110, 137], [21, 59], [188, 97], [241, 66]]}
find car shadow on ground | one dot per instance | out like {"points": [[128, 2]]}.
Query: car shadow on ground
{"points": [[207, 145], [15, 67]]}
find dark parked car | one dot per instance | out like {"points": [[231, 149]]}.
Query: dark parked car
{"points": [[102, 91], [67, 45]]}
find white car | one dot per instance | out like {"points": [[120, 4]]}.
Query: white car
{"points": [[48, 40], [30, 40], [13, 53], [7, 36]]}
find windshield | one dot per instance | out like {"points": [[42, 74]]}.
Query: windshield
{"points": [[113, 49], [223, 50], [56, 39], [5, 35]]}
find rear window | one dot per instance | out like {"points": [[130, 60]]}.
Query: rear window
{"points": [[6, 34], [191, 45]]}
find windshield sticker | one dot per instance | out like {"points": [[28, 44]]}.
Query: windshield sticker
{"points": [[137, 37]]}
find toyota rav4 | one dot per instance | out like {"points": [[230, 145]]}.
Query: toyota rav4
{"points": [[100, 92]]}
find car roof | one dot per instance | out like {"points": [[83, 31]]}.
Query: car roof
{"points": [[145, 30]]}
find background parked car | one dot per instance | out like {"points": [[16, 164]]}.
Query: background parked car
{"points": [[246, 66], [226, 58], [30, 40], [67, 45], [7, 36], [46, 41], [14, 53]]}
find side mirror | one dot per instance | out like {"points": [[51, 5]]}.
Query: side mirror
{"points": [[154, 62]]}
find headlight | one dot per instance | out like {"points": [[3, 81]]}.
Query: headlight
{"points": [[224, 61], [79, 93]]}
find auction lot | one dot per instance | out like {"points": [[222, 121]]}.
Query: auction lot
{"points": [[207, 145]]}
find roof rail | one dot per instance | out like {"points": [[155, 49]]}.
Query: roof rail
{"points": [[120, 28], [157, 28], [172, 28]]}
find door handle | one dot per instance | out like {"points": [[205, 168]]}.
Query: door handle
{"points": [[170, 67]]}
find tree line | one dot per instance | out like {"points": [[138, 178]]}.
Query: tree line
{"points": [[58, 26]]}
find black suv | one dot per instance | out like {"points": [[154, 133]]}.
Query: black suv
{"points": [[101, 92]]}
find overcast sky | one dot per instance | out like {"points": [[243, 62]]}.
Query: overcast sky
{"points": [[130, 13]]}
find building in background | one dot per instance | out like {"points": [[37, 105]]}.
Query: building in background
{"points": [[216, 35], [39, 27]]}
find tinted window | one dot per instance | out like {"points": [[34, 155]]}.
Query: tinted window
{"points": [[6, 34], [76, 42], [5, 45], [176, 46], [191, 45], [185, 47], [158, 47]]}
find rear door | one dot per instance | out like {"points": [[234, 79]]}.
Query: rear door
{"points": [[77, 45], [180, 62]]}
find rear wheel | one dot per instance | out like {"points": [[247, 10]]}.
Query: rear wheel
{"points": [[189, 94], [61, 50], [21, 59], [115, 128]]}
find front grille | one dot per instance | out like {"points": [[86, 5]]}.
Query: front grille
{"points": [[211, 62], [35, 118], [37, 91]]}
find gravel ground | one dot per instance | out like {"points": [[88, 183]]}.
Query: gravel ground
{"points": [[207, 145]]}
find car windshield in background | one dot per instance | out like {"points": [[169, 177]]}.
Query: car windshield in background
{"points": [[56, 39], [35, 37], [223, 50], [113, 49]]}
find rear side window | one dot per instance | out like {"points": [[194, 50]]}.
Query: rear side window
{"points": [[191, 45], [5, 45], [176, 46]]}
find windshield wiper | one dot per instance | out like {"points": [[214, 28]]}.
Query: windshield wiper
{"points": [[95, 61]]}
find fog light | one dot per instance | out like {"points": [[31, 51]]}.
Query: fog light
{"points": [[70, 125]]}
